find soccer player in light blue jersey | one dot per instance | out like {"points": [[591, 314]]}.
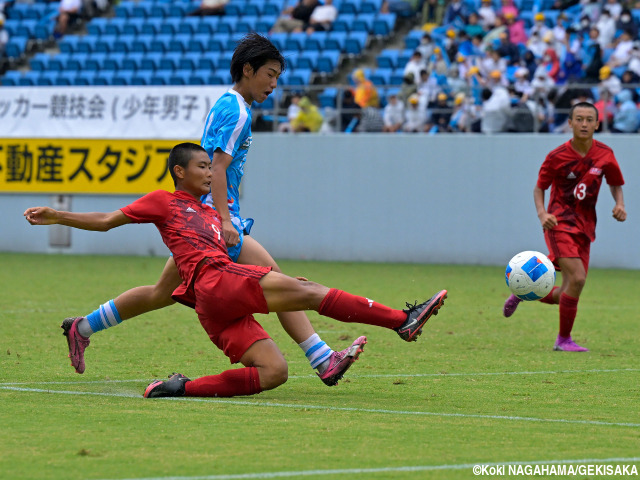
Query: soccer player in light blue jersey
{"points": [[255, 67]]}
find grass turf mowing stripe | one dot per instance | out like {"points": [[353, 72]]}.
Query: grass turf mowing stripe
{"points": [[418, 468], [389, 375], [332, 408]]}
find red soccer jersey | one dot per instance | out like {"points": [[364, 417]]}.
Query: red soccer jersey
{"points": [[190, 229], [575, 183]]}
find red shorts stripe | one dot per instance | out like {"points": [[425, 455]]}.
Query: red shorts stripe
{"points": [[567, 245]]}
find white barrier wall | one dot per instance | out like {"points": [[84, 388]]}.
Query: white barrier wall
{"points": [[388, 198]]}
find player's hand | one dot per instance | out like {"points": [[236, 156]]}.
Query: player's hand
{"points": [[548, 221], [619, 213], [230, 234], [41, 215]]}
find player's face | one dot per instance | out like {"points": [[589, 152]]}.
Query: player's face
{"points": [[264, 81], [197, 176], [583, 123]]}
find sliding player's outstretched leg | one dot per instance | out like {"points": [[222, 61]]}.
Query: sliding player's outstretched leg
{"points": [[418, 315]]}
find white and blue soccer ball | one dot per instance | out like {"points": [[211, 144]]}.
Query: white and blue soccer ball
{"points": [[530, 275]]}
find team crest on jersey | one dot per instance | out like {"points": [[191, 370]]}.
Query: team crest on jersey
{"points": [[595, 171], [246, 144]]}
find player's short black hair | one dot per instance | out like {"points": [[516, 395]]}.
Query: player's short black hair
{"points": [[583, 105], [180, 155], [256, 50]]}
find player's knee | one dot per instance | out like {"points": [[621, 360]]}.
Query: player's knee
{"points": [[275, 375]]}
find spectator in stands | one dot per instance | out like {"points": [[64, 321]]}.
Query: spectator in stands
{"points": [[350, 111], [606, 108], [455, 11], [634, 62], [606, 25], [440, 114], [539, 26], [487, 15], [542, 83], [492, 62], [608, 81], [68, 12], [508, 8], [551, 63], [296, 18], [437, 63], [494, 34], [414, 65], [415, 117], [393, 114], [614, 7], [516, 28], [365, 93], [371, 120], [292, 112], [455, 80], [508, 50], [407, 88], [462, 115], [322, 17], [627, 24], [450, 43], [309, 118], [4, 37], [560, 31], [426, 47], [209, 7], [621, 54], [428, 86], [536, 45], [522, 83], [473, 26], [591, 9], [626, 117], [433, 12], [496, 109]]}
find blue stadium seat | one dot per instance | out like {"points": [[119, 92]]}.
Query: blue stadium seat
{"points": [[169, 62], [151, 61], [363, 23], [142, 78], [161, 78], [57, 63], [142, 9], [347, 7], [39, 61], [94, 61], [300, 76], [189, 61], [315, 41], [179, 9], [335, 41], [328, 97], [113, 62], [76, 62], [142, 44], [207, 62], [84, 78], [328, 61], [44, 31], [105, 43], [246, 24], [123, 43], [132, 61], [355, 43], [279, 39], [97, 26], [46, 78], [265, 23], [208, 25], [381, 76], [412, 39], [150, 26], [180, 77], [384, 24], [133, 26], [115, 26], [170, 26], [158, 10], [28, 79], [11, 78], [307, 60], [16, 47], [124, 10], [199, 77], [189, 25], [180, 43], [388, 58], [226, 25], [224, 61], [160, 43]]}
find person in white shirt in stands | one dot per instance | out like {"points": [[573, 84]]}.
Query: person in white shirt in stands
{"points": [[68, 11], [322, 17], [393, 115]]}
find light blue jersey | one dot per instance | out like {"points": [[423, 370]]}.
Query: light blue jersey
{"points": [[228, 128]]}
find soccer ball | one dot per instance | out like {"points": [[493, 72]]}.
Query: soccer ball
{"points": [[530, 275]]}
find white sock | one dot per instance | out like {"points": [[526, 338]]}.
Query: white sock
{"points": [[318, 353], [84, 328]]}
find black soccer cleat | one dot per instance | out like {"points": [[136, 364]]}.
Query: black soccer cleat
{"points": [[174, 387], [417, 316]]}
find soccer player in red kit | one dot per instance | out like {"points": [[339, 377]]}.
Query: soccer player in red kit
{"points": [[574, 171], [226, 294]]}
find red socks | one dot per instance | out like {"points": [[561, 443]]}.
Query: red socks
{"points": [[345, 307], [568, 310], [231, 383], [549, 298]]}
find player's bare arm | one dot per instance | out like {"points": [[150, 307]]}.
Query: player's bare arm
{"points": [[619, 212], [94, 221], [547, 220], [219, 164]]}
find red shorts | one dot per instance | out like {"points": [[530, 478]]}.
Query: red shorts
{"points": [[227, 294], [567, 245]]}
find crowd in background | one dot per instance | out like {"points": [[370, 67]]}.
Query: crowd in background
{"points": [[488, 70]]}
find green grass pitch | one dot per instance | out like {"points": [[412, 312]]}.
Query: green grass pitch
{"points": [[476, 388]]}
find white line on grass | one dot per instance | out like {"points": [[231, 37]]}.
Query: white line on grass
{"points": [[389, 375], [360, 471], [331, 408]]}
